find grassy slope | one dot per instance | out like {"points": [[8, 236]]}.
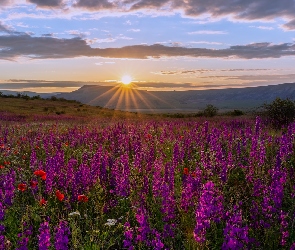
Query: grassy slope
{"points": [[48, 107]]}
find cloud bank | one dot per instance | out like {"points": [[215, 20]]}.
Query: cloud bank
{"points": [[18, 44], [247, 10]]}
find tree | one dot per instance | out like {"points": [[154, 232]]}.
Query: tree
{"points": [[210, 110], [280, 112]]}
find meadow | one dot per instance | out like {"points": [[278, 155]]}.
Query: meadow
{"points": [[144, 182]]}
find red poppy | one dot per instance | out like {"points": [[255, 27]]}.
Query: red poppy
{"points": [[149, 136], [42, 202], [82, 197], [1, 166], [33, 184], [22, 187], [40, 173], [194, 175], [185, 171], [60, 196]]}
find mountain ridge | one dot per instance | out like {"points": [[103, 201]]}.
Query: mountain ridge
{"points": [[126, 98]]}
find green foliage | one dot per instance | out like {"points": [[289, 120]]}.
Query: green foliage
{"points": [[280, 112], [237, 112], [210, 111]]}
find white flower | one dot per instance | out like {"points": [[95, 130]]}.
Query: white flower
{"points": [[77, 213], [111, 222]]}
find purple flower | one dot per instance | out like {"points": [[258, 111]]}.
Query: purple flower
{"points": [[235, 234], [2, 213], [62, 236], [127, 242], [44, 236], [284, 228], [209, 210], [24, 237]]}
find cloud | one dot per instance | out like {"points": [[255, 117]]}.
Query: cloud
{"points": [[47, 3], [208, 32], [290, 25], [201, 71], [4, 28], [14, 45], [247, 10], [206, 42], [148, 4], [5, 2], [95, 4], [240, 9], [134, 30], [78, 33], [263, 27], [237, 9]]}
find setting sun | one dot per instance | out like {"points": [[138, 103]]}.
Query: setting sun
{"points": [[126, 79]]}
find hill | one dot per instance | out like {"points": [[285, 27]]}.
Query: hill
{"points": [[54, 108], [126, 98]]}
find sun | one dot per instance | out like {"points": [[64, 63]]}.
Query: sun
{"points": [[126, 79]]}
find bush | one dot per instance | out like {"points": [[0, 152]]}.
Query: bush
{"points": [[280, 112], [210, 110], [236, 112]]}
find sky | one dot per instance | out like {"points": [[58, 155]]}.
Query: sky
{"points": [[61, 45]]}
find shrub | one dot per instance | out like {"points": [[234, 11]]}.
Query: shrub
{"points": [[237, 112], [210, 110], [280, 112]]}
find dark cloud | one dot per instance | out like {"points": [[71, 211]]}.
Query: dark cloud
{"points": [[238, 9], [5, 2], [14, 45], [95, 4], [42, 47], [148, 4], [290, 25], [47, 3], [48, 35], [4, 28]]}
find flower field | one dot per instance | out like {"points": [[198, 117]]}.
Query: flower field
{"points": [[146, 184]]}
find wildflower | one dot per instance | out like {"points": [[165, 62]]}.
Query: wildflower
{"points": [[42, 202], [82, 198], [2, 213], [77, 213], [23, 237], [62, 236], [22, 187], [235, 233], [111, 222], [60, 196], [185, 171], [210, 209], [1, 166], [44, 236], [40, 173], [33, 184]]}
